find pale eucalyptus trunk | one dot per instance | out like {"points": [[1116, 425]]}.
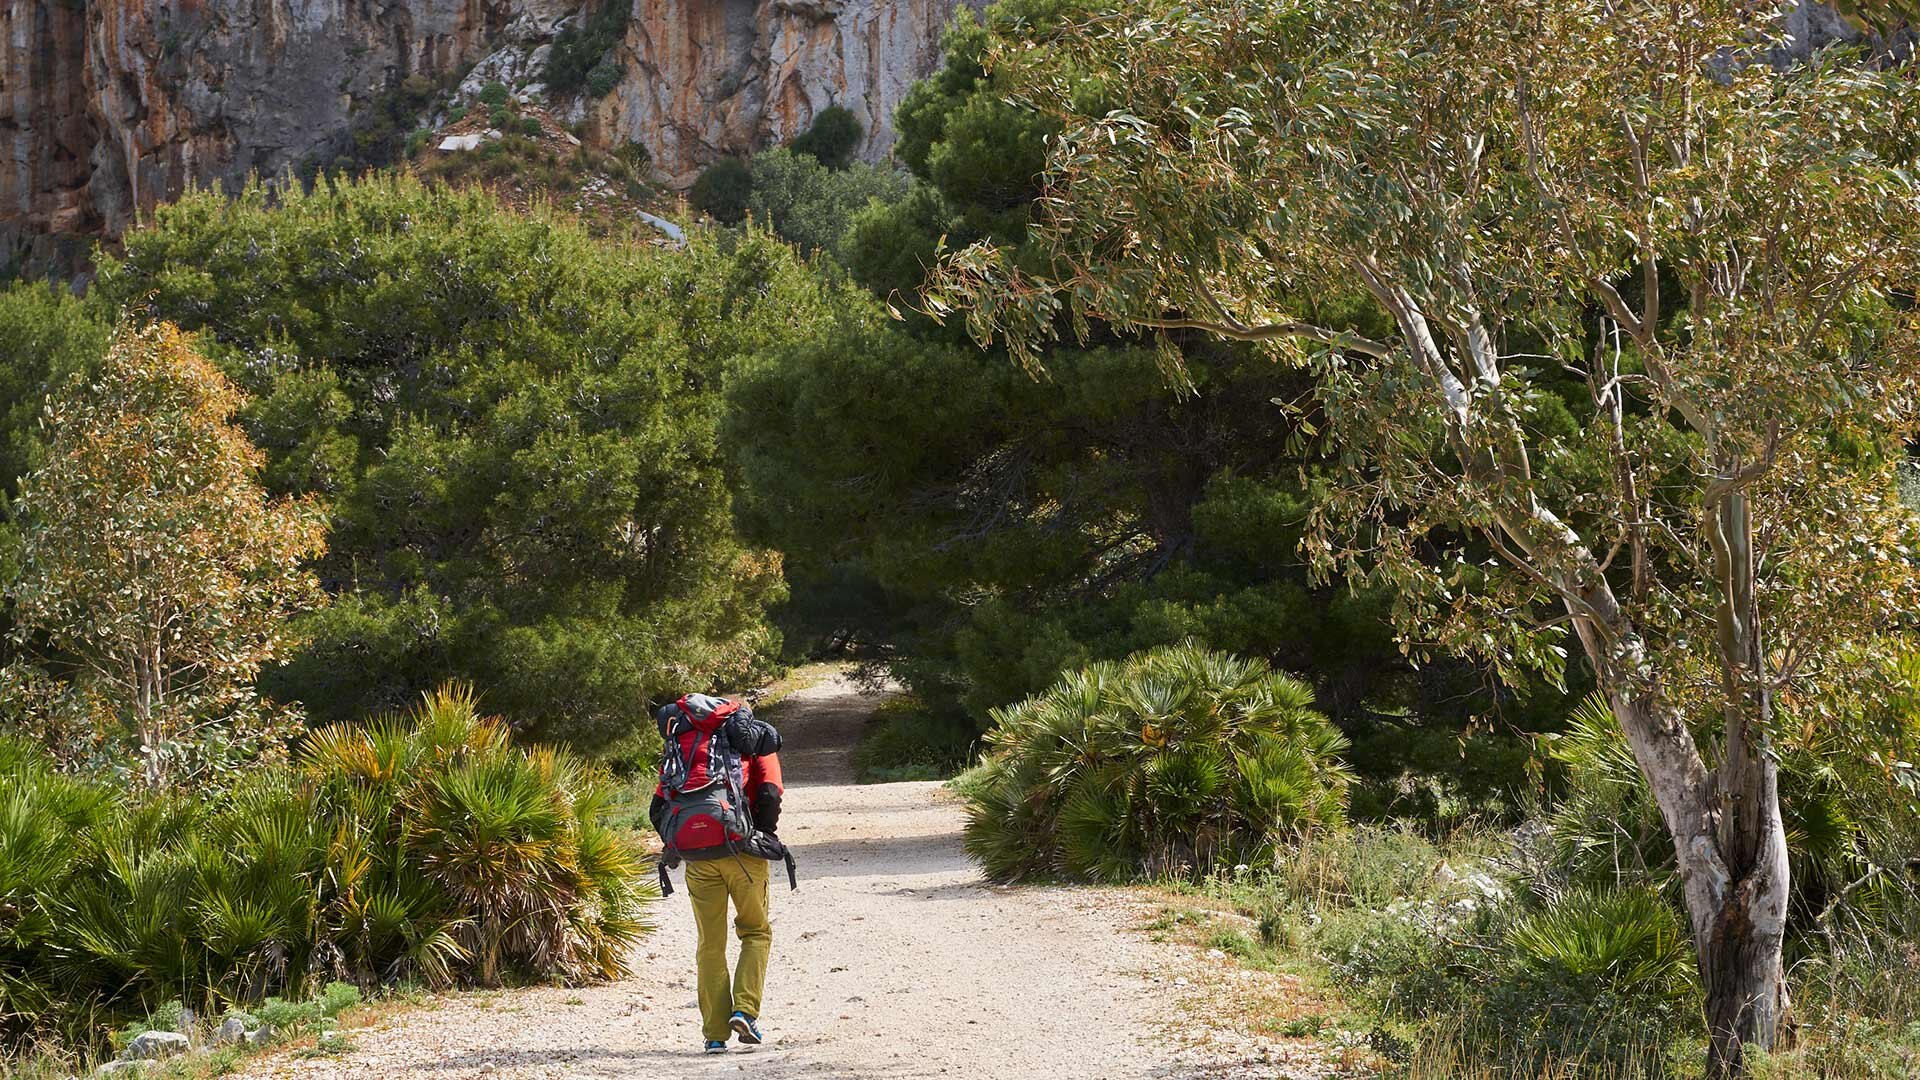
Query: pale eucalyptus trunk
{"points": [[1728, 835], [1728, 838]]}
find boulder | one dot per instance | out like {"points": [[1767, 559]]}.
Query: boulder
{"points": [[232, 1030], [154, 1045]]}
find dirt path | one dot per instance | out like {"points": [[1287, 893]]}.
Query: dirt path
{"points": [[894, 959]]}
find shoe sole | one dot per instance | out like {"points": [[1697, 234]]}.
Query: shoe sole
{"points": [[716, 1049], [745, 1032]]}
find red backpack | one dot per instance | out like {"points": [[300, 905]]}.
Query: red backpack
{"points": [[701, 809], [705, 811]]}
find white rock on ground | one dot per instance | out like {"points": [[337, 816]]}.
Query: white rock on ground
{"points": [[232, 1030], [151, 1045]]}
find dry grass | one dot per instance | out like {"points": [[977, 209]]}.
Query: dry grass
{"points": [[1241, 990]]}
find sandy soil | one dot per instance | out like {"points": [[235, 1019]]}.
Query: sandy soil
{"points": [[894, 959]]}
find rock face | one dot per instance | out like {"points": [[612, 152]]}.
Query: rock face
{"points": [[110, 108], [711, 78]]}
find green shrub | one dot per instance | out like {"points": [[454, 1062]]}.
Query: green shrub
{"points": [[1598, 976], [636, 156], [832, 138], [422, 847], [811, 206], [501, 118], [582, 51], [723, 190], [905, 741], [1173, 761], [494, 95], [603, 77]]}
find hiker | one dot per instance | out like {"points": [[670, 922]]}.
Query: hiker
{"points": [[716, 809]]}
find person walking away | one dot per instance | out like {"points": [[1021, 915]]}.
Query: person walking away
{"points": [[717, 808]]}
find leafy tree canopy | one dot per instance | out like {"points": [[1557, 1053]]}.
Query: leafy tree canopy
{"points": [[516, 426], [154, 571], [832, 139]]}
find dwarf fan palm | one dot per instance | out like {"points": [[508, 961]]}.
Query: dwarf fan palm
{"points": [[1169, 761]]}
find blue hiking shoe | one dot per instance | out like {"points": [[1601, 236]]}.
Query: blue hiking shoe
{"points": [[744, 1027], [716, 1046]]}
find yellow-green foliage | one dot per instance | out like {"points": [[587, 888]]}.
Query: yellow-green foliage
{"points": [[422, 847]]}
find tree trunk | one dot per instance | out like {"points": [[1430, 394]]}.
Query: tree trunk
{"points": [[1744, 975], [1740, 961], [1730, 846]]}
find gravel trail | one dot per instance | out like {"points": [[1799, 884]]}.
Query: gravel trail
{"points": [[894, 959]]}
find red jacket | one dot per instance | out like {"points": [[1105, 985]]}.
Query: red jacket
{"points": [[764, 769]]}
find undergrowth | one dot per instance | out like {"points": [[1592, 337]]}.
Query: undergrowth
{"points": [[1462, 962], [907, 741]]}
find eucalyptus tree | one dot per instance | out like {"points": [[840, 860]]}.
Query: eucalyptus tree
{"points": [[1721, 252], [153, 564]]}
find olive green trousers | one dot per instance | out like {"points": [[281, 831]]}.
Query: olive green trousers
{"points": [[710, 884]]}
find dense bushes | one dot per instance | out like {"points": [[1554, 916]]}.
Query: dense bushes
{"points": [[583, 56], [423, 847], [1559, 948], [808, 204], [832, 139], [1470, 972], [515, 426], [907, 741], [1172, 761], [722, 190]]}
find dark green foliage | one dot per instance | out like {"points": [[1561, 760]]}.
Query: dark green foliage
{"points": [[723, 190], [996, 530], [422, 848], [46, 335], [583, 55], [516, 427], [907, 741], [832, 139], [501, 118], [811, 206], [637, 157], [1174, 761], [975, 156], [380, 126], [494, 95], [603, 77]]}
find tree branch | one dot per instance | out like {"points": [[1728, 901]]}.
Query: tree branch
{"points": [[1272, 331]]}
